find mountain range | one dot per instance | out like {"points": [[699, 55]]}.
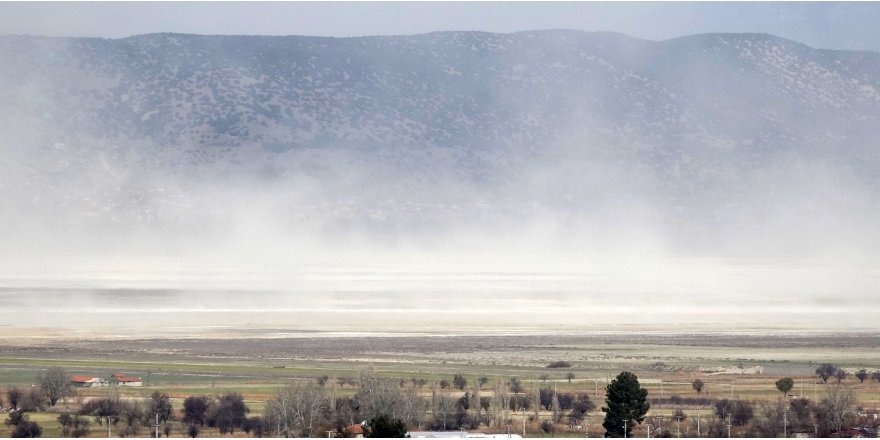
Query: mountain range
{"points": [[706, 126]]}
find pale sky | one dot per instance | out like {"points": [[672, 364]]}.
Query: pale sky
{"points": [[834, 25]]}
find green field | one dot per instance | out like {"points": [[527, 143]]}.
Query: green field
{"points": [[270, 365]]}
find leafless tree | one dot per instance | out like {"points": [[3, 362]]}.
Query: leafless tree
{"points": [[378, 396], [55, 384], [14, 395], [483, 381], [825, 371], [443, 410], [839, 406], [296, 410], [861, 375]]}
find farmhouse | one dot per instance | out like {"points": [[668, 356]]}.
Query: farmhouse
{"points": [[88, 381], [126, 381], [757, 369], [356, 431]]}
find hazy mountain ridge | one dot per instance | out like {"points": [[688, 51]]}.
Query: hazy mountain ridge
{"points": [[449, 89], [569, 120]]}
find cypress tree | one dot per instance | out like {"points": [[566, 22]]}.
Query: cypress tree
{"points": [[626, 400]]}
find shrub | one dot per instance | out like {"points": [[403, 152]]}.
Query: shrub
{"points": [[559, 364], [27, 429]]}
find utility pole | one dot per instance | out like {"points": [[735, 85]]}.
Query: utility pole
{"points": [[108, 427], [597, 387], [649, 430], [524, 421], [624, 428], [728, 426], [661, 393], [678, 429], [785, 423], [698, 424], [157, 425]]}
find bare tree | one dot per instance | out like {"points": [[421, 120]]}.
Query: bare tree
{"points": [[771, 423], [14, 395], [537, 399], [840, 374], [55, 384], [378, 396], [839, 405], [132, 413], [500, 403], [569, 376], [825, 371], [443, 410], [459, 381], [160, 404], [228, 412], [515, 386], [296, 410], [483, 381], [861, 375], [476, 405], [32, 400], [195, 410]]}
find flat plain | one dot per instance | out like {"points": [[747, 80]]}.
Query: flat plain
{"points": [[258, 363]]}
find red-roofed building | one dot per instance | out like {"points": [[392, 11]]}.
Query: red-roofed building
{"points": [[126, 381], [355, 430], [88, 381]]}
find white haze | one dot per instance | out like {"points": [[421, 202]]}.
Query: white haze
{"points": [[568, 237], [358, 250]]}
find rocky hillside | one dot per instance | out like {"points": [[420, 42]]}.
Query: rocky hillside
{"points": [[699, 119], [450, 89]]}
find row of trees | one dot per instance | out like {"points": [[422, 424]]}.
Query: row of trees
{"points": [[52, 386], [21, 426], [311, 409], [627, 405], [827, 371], [307, 409], [126, 418]]}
